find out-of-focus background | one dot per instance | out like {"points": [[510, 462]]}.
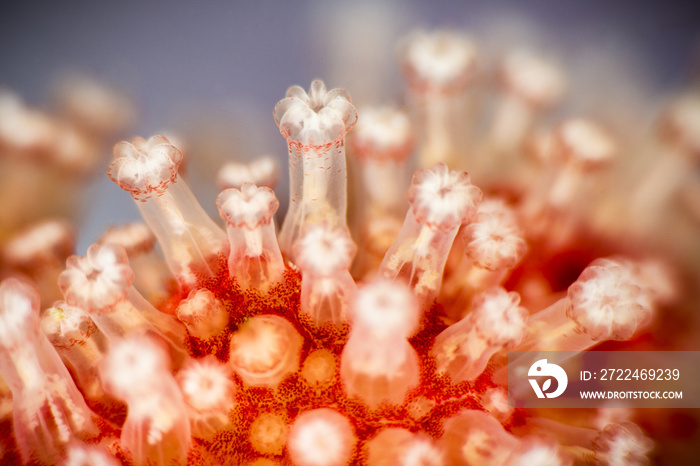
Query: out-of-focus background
{"points": [[211, 72]]}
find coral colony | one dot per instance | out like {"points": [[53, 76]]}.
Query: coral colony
{"points": [[375, 335]]}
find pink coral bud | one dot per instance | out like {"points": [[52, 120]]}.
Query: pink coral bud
{"points": [[324, 254], [263, 171], [606, 304], [99, 279], [145, 167], [443, 199], [623, 443], [382, 134], [208, 391], [315, 125], [494, 242], [157, 428], [203, 314], [438, 61], [136, 238], [495, 322], [321, 437], [378, 364], [67, 326], [318, 118], [88, 455], [265, 350], [250, 207], [255, 260], [397, 446], [533, 78]]}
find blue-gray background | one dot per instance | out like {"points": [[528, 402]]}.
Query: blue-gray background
{"points": [[205, 65]]}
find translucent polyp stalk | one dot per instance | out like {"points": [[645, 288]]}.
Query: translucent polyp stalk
{"points": [[531, 84], [439, 67], [315, 125], [189, 238], [321, 437], [324, 254], [441, 201], [209, 392], [255, 260], [623, 443], [203, 314], [378, 364], [401, 447], [679, 126], [494, 246], [265, 350], [101, 284], [48, 410], [152, 277], [382, 142], [157, 429], [607, 302], [495, 322], [78, 341], [474, 437]]}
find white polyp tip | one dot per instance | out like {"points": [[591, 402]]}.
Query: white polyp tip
{"points": [[385, 308], [66, 325], [250, 207], [263, 171], [207, 385], [402, 447], [22, 128], [321, 437], [623, 443], [89, 455], [660, 279], [265, 350], [498, 318], [136, 238], [73, 150], [680, 123], [382, 133], [19, 311], [316, 119], [494, 242], [145, 167], [607, 301], [47, 241], [442, 198], [539, 145], [534, 78], [324, 250], [534, 450], [94, 104], [497, 207], [200, 306], [439, 61], [495, 401], [584, 143], [98, 279], [134, 366]]}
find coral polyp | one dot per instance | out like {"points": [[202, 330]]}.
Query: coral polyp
{"points": [[372, 327]]}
